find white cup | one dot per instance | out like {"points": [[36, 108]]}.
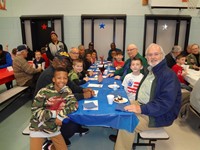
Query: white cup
{"points": [[40, 65], [110, 98]]}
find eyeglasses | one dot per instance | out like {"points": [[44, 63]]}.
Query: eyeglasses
{"points": [[153, 54], [131, 49], [75, 53]]}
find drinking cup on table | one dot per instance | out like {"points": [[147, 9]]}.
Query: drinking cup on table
{"points": [[40, 65], [110, 98]]}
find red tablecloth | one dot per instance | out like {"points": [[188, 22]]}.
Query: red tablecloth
{"points": [[6, 76]]}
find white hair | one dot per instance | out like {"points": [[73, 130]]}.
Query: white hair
{"points": [[161, 49]]}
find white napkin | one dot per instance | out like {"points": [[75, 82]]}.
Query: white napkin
{"points": [[95, 85]]}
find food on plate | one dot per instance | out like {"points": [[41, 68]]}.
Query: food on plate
{"points": [[118, 98]]}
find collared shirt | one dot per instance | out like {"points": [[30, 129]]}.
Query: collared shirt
{"points": [[145, 89]]}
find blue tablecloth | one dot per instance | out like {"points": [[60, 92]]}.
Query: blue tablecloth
{"points": [[106, 115]]}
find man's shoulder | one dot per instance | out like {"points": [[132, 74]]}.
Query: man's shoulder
{"points": [[168, 55], [19, 59]]}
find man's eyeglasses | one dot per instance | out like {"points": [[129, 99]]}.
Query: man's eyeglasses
{"points": [[131, 49], [75, 53], [153, 54]]}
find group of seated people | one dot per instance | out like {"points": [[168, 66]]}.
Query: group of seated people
{"points": [[177, 60], [152, 88]]}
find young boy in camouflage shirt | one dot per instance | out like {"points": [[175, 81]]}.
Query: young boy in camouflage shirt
{"points": [[50, 106]]}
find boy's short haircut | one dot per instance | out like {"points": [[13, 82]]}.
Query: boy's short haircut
{"points": [[60, 69], [119, 52], [77, 61], [38, 51], [180, 56], [136, 58], [88, 53]]}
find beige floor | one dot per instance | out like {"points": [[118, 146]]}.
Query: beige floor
{"points": [[183, 135]]}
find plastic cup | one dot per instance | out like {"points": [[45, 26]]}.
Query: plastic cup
{"points": [[110, 99], [39, 65]]}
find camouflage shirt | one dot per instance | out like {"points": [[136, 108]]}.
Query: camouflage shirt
{"points": [[47, 103]]}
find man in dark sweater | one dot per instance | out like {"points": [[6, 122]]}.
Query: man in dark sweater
{"points": [[171, 57]]}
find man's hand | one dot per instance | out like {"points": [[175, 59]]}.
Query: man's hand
{"points": [[133, 108], [87, 89], [117, 77], [87, 94], [110, 75], [58, 122]]}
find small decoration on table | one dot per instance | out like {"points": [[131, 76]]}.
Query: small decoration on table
{"points": [[100, 77], [101, 59]]}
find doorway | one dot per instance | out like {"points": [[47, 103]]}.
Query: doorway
{"points": [[103, 30], [36, 30], [167, 31]]}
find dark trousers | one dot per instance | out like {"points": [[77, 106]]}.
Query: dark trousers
{"points": [[9, 85], [32, 83], [68, 129]]}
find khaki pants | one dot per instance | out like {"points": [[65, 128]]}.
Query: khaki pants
{"points": [[58, 143], [125, 139]]}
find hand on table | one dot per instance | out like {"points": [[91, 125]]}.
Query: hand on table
{"points": [[133, 108], [117, 77], [58, 122], [110, 75], [86, 79]]}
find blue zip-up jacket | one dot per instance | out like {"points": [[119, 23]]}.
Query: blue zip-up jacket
{"points": [[165, 97]]}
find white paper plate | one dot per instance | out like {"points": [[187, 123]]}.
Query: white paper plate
{"points": [[122, 101], [112, 71], [112, 85]]}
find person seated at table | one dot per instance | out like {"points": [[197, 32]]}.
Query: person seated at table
{"points": [[74, 55], [14, 53], [132, 80], [44, 56], [171, 56], [180, 72], [93, 57], [113, 54], [50, 107], [60, 60], [87, 61], [91, 48], [158, 98], [5, 61], [81, 49], [38, 61], [30, 54], [54, 46], [132, 52], [188, 50], [24, 73], [193, 59], [74, 73], [110, 54], [118, 62]]}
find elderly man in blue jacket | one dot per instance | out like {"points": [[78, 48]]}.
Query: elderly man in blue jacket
{"points": [[158, 99]]}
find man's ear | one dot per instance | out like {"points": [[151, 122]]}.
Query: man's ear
{"points": [[53, 79]]}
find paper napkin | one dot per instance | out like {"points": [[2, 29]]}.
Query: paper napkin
{"points": [[95, 85], [90, 105], [120, 107]]}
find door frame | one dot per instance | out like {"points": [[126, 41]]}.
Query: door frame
{"points": [[178, 19], [40, 17], [104, 16]]}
